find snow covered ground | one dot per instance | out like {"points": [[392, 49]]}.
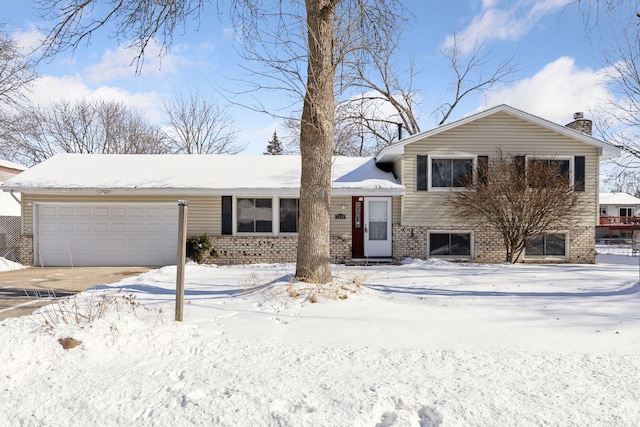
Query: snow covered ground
{"points": [[7, 265], [422, 344]]}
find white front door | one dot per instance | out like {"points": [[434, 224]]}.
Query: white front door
{"points": [[377, 227]]}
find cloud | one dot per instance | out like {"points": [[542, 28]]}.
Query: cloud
{"points": [[503, 24], [28, 41], [556, 91], [120, 63], [48, 89]]}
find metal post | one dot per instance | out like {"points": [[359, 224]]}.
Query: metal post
{"points": [[182, 250]]}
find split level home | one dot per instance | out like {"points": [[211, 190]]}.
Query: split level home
{"points": [[619, 217], [80, 209], [9, 213]]}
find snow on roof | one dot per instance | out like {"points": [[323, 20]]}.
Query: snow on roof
{"points": [[618, 199], [11, 165], [209, 172]]}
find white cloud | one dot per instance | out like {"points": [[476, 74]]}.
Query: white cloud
{"points": [[556, 91], [120, 63], [48, 89], [504, 24], [28, 41]]}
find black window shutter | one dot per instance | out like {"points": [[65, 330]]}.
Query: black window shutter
{"points": [[483, 168], [578, 176], [422, 173], [227, 217], [519, 162]]}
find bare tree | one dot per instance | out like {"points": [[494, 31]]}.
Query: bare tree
{"points": [[200, 126], [470, 73], [37, 133], [387, 103], [520, 200], [626, 181], [331, 29], [16, 72]]}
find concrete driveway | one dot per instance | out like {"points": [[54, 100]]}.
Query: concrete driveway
{"points": [[21, 290]]}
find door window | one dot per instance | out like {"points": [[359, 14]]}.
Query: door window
{"points": [[377, 220]]}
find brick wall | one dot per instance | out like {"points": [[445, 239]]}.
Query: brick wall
{"points": [[26, 250], [249, 249], [487, 244]]}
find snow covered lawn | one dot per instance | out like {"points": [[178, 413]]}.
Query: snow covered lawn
{"points": [[422, 344]]}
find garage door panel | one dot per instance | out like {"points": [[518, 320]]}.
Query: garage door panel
{"points": [[136, 227], [109, 235], [119, 227], [101, 227], [83, 211]]}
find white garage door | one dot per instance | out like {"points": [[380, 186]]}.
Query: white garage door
{"points": [[143, 234]]}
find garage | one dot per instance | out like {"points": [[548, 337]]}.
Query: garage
{"points": [[105, 234]]}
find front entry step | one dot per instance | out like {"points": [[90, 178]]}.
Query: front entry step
{"points": [[371, 261]]}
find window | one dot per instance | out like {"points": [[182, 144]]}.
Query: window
{"points": [[254, 215], [289, 215], [450, 244], [562, 168], [451, 173], [626, 211], [547, 244], [603, 211]]}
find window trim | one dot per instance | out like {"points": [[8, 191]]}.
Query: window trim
{"points": [[571, 159], [469, 257], [432, 157], [275, 217], [567, 246]]}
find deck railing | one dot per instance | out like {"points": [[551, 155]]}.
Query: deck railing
{"points": [[620, 220]]}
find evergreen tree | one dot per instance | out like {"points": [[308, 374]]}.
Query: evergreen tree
{"points": [[274, 147]]}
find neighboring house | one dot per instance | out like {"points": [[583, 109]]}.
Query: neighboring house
{"points": [[9, 213], [619, 216], [122, 209], [9, 205]]}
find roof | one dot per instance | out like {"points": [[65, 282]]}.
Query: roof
{"points": [[10, 165], [195, 174], [391, 152], [618, 199]]}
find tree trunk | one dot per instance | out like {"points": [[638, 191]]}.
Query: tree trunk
{"points": [[316, 146]]}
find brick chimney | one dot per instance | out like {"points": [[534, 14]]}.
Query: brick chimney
{"points": [[580, 124]]}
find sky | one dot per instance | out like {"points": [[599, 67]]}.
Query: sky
{"points": [[557, 48]]}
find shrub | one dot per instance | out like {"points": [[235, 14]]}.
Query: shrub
{"points": [[198, 247]]}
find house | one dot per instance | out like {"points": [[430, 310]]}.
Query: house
{"points": [[9, 206], [619, 216], [9, 213], [121, 209]]}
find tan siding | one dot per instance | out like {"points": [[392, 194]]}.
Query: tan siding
{"points": [[397, 203], [482, 137], [340, 227], [203, 214], [5, 176], [397, 170]]}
